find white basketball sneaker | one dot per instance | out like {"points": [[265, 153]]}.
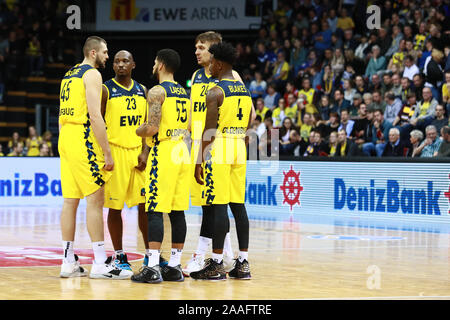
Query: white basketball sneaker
{"points": [[72, 270], [194, 264], [108, 270]]}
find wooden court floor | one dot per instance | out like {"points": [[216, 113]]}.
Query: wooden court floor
{"points": [[289, 259]]}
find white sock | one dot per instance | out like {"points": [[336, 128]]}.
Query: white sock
{"points": [[243, 255], [153, 257], [68, 254], [99, 252], [227, 248], [118, 252], [147, 251], [217, 257], [203, 245], [175, 257]]}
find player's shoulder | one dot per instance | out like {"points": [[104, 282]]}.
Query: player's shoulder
{"points": [[199, 76]]}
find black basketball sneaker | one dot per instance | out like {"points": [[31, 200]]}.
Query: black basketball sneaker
{"points": [[172, 273], [148, 275], [241, 270], [211, 271]]}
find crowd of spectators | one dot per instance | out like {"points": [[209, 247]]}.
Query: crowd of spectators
{"points": [[331, 87], [31, 34], [31, 146]]}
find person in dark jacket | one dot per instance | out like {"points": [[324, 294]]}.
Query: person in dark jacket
{"points": [[396, 147], [346, 147]]}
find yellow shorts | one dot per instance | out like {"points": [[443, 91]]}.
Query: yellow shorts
{"points": [[196, 189], [167, 177], [82, 161], [225, 172], [127, 184]]}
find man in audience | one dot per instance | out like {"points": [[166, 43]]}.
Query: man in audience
{"points": [[431, 144], [395, 147]]}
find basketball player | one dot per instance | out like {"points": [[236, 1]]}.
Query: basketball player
{"points": [[86, 160], [124, 107], [225, 162], [168, 177], [202, 81]]}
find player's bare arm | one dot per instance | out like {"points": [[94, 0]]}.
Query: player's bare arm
{"points": [[93, 84], [214, 99], [190, 111], [104, 100], [253, 113], [143, 156], [155, 100]]}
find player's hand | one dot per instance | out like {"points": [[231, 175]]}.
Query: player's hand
{"points": [[142, 161], [199, 173], [109, 162]]}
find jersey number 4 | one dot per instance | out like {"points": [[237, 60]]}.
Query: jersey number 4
{"points": [[239, 114]]}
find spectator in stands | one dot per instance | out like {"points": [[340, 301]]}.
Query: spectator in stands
{"points": [[396, 37], [346, 147], [396, 63], [431, 144], [425, 54], [280, 71], [349, 42], [272, 96], [393, 106], [44, 150], [46, 139], [307, 90], [426, 110], [328, 80], [344, 21], [346, 123], [440, 120], [307, 126], [322, 39], [380, 133], [291, 107], [376, 64], [17, 150], [433, 72], [444, 149], [361, 86], [368, 100], [15, 138], [290, 88], [395, 147], [377, 101], [33, 142], [258, 126], [298, 55], [410, 69], [354, 107], [418, 84], [258, 86], [349, 91], [386, 84], [285, 132], [339, 102], [396, 86], [361, 123], [332, 144], [278, 114], [406, 88], [446, 92], [35, 58], [337, 62], [265, 144], [416, 137], [261, 109], [353, 65], [403, 119], [323, 107], [317, 146], [330, 125]]}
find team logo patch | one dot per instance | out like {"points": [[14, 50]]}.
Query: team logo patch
{"points": [[114, 90], [47, 257]]}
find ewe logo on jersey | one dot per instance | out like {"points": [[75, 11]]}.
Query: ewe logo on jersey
{"points": [[47, 257]]}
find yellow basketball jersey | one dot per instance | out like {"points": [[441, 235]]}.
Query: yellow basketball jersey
{"points": [[126, 110], [72, 97], [200, 85], [234, 112], [174, 113]]}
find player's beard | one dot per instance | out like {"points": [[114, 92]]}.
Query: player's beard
{"points": [[99, 63], [155, 75]]}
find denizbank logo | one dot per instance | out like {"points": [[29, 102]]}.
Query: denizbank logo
{"points": [[387, 197], [38, 186]]}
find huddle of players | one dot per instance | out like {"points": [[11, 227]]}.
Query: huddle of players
{"points": [[143, 160]]}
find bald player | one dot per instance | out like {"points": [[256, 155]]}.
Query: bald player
{"points": [[124, 107], [202, 81]]}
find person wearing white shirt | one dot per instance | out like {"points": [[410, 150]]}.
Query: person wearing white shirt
{"points": [[410, 68]]}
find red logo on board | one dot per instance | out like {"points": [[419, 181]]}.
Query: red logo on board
{"points": [[291, 188], [47, 257], [447, 195]]}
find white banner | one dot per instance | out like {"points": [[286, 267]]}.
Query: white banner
{"points": [[173, 15]]}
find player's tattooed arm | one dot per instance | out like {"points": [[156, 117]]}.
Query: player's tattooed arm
{"points": [[155, 99], [214, 99]]}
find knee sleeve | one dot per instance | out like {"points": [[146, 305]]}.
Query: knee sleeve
{"points": [[221, 225], [155, 227], [178, 222], [242, 224], [207, 227]]}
